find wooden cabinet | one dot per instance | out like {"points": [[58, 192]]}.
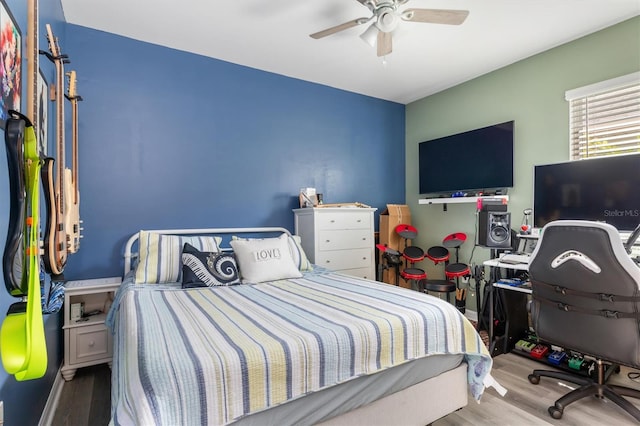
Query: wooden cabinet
{"points": [[87, 341], [339, 238]]}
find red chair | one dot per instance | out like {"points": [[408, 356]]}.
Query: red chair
{"points": [[457, 269], [412, 255], [439, 254]]}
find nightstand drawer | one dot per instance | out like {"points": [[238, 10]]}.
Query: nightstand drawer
{"points": [[347, 239], [345, 259], [89, 343], [344, 220]]}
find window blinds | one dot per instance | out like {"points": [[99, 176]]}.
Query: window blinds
{"points": [[604, 118]]}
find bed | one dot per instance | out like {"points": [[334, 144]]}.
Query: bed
{"points": [[315, 347]]}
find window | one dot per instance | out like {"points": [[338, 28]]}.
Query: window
{"points": [[604, 118]]}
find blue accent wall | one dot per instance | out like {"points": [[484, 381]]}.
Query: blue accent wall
{"points": [[170, 139]]}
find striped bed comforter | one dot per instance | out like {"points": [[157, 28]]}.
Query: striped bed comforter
{"points": [[212, 355]]}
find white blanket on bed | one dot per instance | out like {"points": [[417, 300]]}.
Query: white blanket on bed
{"points": [[212, 355]]}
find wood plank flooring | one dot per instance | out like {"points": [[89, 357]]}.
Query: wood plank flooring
{"points": [[85, 401], [526, 404]]}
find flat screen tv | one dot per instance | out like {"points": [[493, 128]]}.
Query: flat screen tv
{"points": [[603, 189], [477, 160]]}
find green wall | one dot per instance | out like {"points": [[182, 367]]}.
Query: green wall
{"points": [[531, 92]]}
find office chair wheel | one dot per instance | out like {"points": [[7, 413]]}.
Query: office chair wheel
{"points": [[534, 379], [555, 412]]}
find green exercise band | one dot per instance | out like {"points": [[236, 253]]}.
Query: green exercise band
{"points": [[22, 341]]}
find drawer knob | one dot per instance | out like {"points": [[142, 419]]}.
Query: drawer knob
{"points": [[328, 241], [91, 343], [327, 261], [359, 220], [332, 221]]}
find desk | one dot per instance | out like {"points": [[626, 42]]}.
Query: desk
{"points": [[515, 302]]}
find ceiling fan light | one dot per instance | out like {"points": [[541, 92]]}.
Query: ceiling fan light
{"points": [[370, 35]]}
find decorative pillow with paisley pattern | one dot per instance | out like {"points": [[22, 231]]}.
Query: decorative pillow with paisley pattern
{"points": [[208, 269]]}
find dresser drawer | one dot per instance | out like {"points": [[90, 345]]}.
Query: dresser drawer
{"points": [[341, 240], [89, 343], [359, 273], [344, 220], [345, 259]]}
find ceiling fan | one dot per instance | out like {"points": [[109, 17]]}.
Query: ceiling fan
{"points": [[386, 17]]}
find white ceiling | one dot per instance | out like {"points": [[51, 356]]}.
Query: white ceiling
{"points": [[427, 58]]}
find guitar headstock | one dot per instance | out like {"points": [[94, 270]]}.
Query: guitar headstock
{"points": [[53, 43], [72, 92]]}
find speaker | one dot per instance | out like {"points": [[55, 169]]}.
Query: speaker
{"points": [[494, 229]]}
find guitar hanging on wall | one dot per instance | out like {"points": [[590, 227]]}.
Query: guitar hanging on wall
{"points": [[55, 238], [72, 225]]}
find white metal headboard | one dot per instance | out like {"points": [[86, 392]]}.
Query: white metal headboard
{"points": [[129, 256]]}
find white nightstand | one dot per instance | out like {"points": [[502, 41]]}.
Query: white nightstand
{"points": [[87, 341]]}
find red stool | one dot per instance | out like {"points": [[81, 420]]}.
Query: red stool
{"points": [[413, 254], [454, 240], [438, 254], [407, 232], [456, 270], [414, 275]]}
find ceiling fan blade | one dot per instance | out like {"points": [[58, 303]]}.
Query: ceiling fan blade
{"points": [[339, 28], [371, 4], [384, 43], [436, 16]]}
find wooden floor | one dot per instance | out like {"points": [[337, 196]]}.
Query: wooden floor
{"points": [[85, 401], [526, 404]]}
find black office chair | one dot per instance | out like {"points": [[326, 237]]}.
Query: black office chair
{"points": [[586, 298]]}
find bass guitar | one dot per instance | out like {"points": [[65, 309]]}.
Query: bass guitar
{"points": [[55, 238], [72, 225]]}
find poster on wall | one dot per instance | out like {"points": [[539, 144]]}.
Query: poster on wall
{"points": [[43, 110], [10, 63]]}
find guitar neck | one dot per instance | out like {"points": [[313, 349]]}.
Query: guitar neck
{"points": [[60, 139], [74, 147], [32, 62], [74, 98]]}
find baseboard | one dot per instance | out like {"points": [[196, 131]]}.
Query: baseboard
{"points": [[471, 315], [50, 407]]}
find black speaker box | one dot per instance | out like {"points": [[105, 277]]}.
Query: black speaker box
{"points": [[494, 229]]}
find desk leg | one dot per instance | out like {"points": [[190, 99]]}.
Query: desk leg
{"points": [[478, 302], [490, 295]]}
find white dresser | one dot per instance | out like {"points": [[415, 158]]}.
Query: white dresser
{"points": [[339, 238]]}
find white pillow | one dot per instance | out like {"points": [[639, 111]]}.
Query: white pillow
{"points": [[160, 255], [295, 249], [265, 259]]}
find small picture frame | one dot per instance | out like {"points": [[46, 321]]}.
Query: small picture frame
{"points": [[10, 64]]}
